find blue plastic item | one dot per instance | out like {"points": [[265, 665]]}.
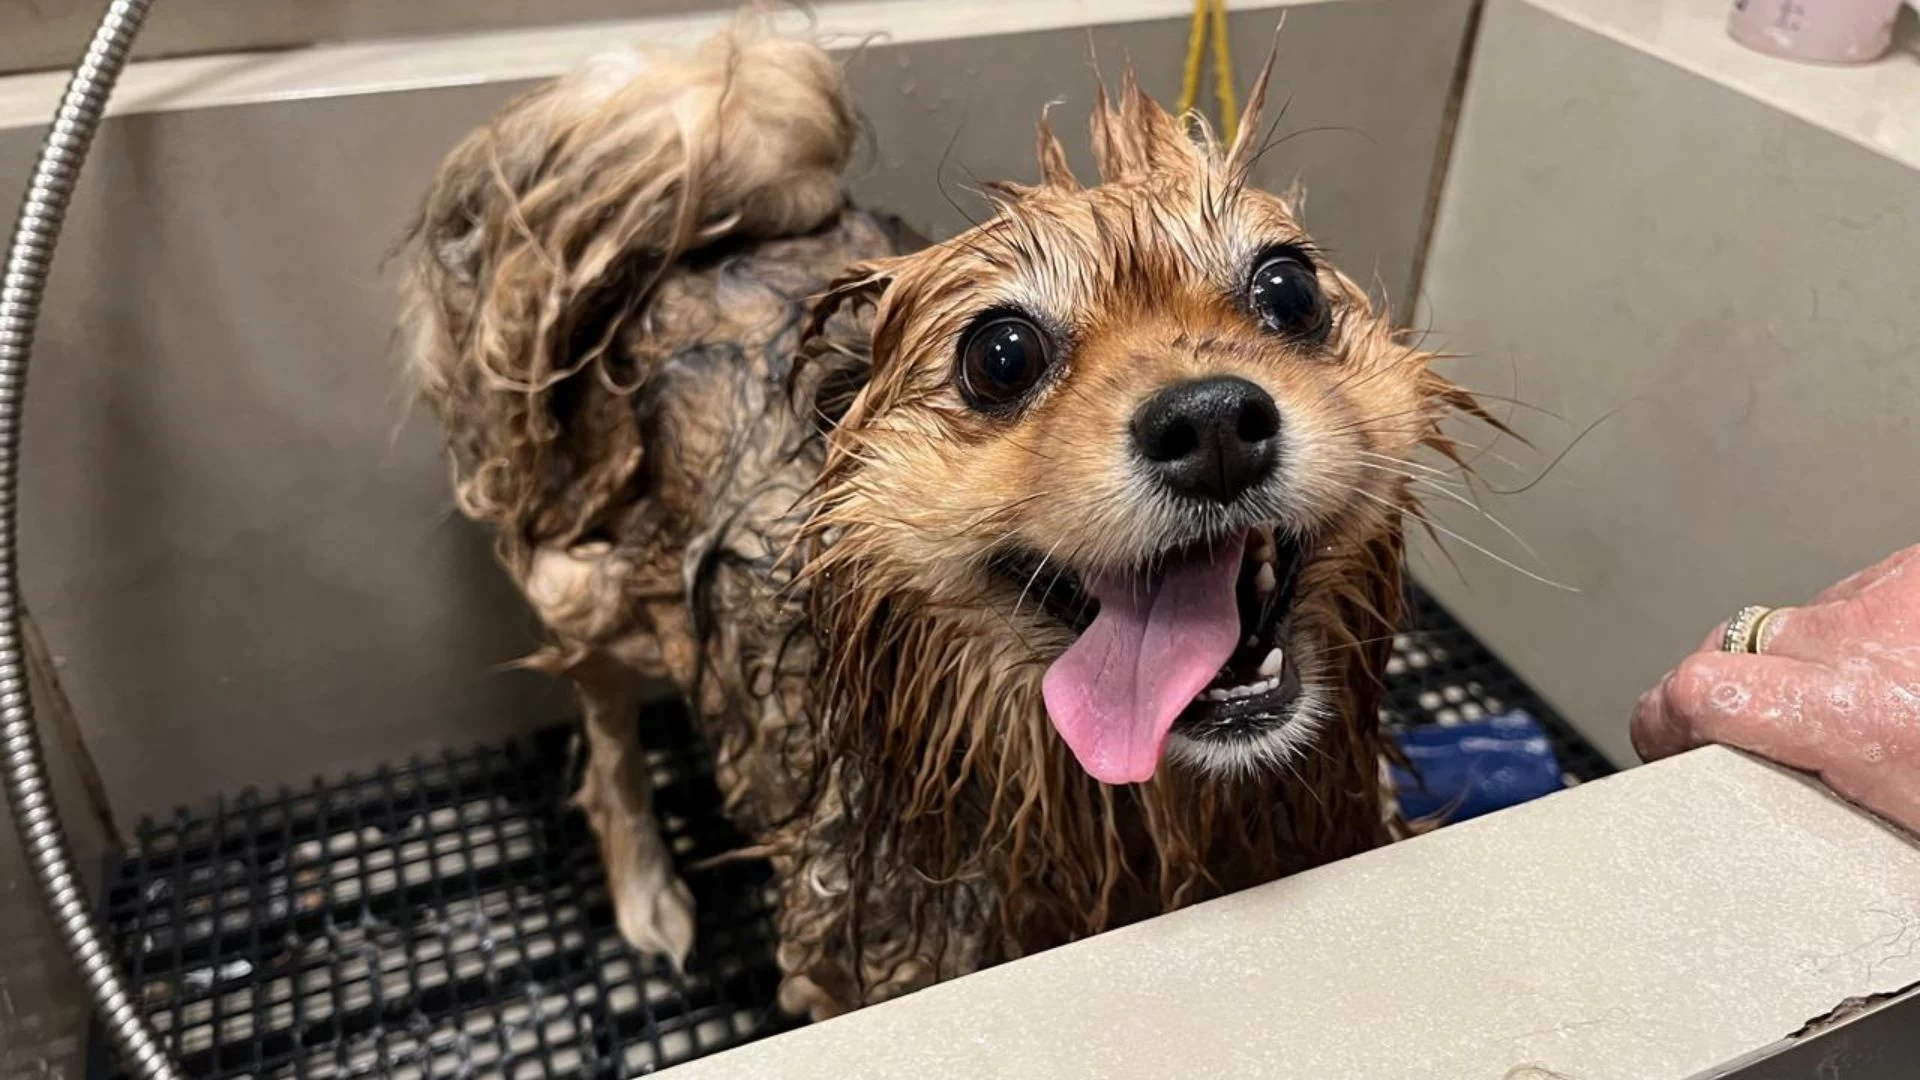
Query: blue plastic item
{"points": [[1461, 771]]}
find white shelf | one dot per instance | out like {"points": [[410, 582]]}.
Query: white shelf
{"points": [[1875, 105]]}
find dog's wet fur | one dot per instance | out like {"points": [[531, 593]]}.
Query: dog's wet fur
{"points": [[723, 424]]}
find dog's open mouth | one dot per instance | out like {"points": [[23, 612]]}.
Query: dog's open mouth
{"points": [[1196, 643]]}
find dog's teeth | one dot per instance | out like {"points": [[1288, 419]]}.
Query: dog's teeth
{"points": [[1263, 580], [1274, 661], [1263, 544], [1252, 641], [1252, 689]]}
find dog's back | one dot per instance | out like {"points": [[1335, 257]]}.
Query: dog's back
{"points": [[603, 299], [549, 279]]}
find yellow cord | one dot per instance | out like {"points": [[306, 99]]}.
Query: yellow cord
{"points": [[1223, 72], [1196, 48], [1210, 14]]}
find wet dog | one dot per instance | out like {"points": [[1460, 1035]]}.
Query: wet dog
{"points": [[1024, 584]]}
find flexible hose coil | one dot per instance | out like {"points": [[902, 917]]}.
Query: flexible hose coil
{"points": [[29, 257]]}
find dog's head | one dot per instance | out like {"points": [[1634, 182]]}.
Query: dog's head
{"points": [[1140, 440]]}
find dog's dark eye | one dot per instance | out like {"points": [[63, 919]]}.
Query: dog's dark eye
{"points": [[1285, 295], [1001, 359]]}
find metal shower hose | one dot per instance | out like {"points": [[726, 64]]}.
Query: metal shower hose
{"points": [[29, 257]]}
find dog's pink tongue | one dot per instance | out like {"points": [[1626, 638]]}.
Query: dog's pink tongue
{"points": [[1157, 642]]}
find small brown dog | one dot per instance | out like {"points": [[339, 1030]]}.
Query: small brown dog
{"points": [[1024, 584]]}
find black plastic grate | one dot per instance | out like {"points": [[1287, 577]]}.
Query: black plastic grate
{"points": [[448, 918], [1441, 674], [444, 919]]}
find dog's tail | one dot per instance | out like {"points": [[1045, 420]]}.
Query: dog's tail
{"points": [[546, 231]]}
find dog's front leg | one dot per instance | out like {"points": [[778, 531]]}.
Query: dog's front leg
{"points": [[910, 933], [651, 904]]}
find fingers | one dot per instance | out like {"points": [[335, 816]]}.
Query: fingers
{"points": [[1661, 726], [1775, 706], [1799, 633], [1807, 632], [1770, 631], [1813, 698], [1714, 637], [1823, 633], [1804, 633], [1892, 566], [1655, 734]]}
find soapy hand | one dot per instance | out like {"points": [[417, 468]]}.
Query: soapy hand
{"points": [[1836, 692]]}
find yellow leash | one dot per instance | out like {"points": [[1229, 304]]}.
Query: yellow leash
{"points": [[1210, 14]]}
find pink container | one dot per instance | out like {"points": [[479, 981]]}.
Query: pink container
{"points": [[1821, 31]]}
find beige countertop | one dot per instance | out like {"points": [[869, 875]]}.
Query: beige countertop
{"points": [[1645, 927], [486, 56], [1876, 105]]}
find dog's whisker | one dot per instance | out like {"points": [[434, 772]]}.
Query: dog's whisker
{"points": [[1435, 487], [1562, 455], [1439, 471], [1428, 485], [1359, 378], [1359, 643], [1496, 557], [1454, 488], [1035, 576], [1518, 403], [1373, 424]]}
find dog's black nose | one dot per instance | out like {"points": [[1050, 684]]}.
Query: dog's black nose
{"points": [[1209, 438]]}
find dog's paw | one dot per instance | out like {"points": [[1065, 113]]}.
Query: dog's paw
{"points": [[801, 996], [655, 915]]}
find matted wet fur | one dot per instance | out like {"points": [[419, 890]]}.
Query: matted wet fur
{"points": [[710, 409]]}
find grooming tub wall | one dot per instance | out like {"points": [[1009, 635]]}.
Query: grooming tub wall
{"points": [[1716, 256]]}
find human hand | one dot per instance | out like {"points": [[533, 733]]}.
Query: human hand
{"points": [[1835, 691]]}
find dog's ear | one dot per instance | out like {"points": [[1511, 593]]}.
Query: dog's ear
{"points": [[1054, 170], [1135, 136], [861, 283], [1055, 173], [1247, 136], [835, 356], [544, 236]]}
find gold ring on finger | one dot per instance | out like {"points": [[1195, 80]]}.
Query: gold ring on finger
{"points": [[1742, 633]]}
